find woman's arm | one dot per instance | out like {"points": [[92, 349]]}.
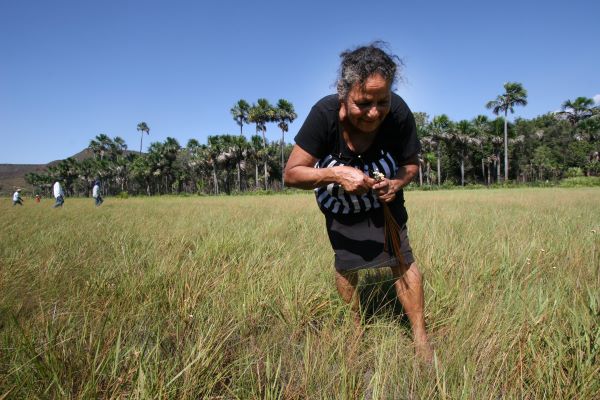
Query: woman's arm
{"points": [[300, 173]]}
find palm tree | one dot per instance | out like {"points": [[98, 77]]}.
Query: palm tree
{"points": [[429, 145], [284, 115], [101, 145], [462, 136], [482, 131], [497, 127], [94, 147], [119, 145], [143, 127], [514, 95], [577, 110], [215, 148], [422, 122], [156, 164], [256, 152], [260, 114], [239, 112], [589, 128], [239, 149], [440, 131], [170, 150], [141, 171]]}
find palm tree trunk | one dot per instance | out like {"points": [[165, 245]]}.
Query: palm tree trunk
{"points": [[439, 169], [498, 168], [282, 161], [141, 140], [266, 157], [215, 181], [462, 170], [428, 173], [266, 177], [505, 146], [420, 174], [482, 170], [239, 177], [256, 171]]}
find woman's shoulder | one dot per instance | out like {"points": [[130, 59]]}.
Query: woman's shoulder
{"points": [[319, 132], [325, 113], [398, 106], [328, 104]]}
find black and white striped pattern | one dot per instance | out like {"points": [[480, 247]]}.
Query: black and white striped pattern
{"points": [[333, 198]]}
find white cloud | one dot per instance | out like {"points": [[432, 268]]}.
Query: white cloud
{"points": [[596, 99]]}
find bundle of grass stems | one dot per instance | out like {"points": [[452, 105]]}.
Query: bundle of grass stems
{"points": [[391, 228]]}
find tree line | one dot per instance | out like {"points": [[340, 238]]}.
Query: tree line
{"points": [[477, 151], [225, 164], [549, 147]]}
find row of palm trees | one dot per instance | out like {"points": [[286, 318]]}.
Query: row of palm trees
{"points": [[552, 142], [468, 151], [169, 168], [261, 113], [514, 95]]}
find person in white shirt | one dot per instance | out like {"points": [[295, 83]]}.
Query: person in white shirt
{"points": [[96, 193], [17, 198], [58, 194]]}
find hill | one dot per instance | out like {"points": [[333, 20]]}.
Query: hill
{"points": [[13, 175]]}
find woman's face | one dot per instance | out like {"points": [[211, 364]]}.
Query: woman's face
{"points": [[367, 106]]}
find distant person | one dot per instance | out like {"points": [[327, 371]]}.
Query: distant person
{"points": [[357, 149], [37, 198], [96, 193], [59, 195], [17, 198]]}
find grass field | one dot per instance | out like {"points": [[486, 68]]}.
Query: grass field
{"points": [[233, 297]]}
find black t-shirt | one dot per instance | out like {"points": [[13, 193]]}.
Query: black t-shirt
{"points": [[396, 142], [321, 133]]}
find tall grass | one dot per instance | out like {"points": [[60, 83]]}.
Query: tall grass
{"points": [[234, 298]]}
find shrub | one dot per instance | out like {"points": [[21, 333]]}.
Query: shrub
{"points": [[593, 168], [579, 181], [573, 172]]}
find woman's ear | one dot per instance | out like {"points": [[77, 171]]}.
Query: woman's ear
{"points": [[343, 112]]}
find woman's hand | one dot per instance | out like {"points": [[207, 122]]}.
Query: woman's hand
{"points": [[353, 180], [386, 189]]}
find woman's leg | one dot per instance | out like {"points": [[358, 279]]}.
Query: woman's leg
{"points": [[409, 288], [346, 286]]}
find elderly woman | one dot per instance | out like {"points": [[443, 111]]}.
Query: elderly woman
{"points": [[347, 139]]}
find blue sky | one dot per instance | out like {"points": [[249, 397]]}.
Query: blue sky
{"points": [[70, 70]]}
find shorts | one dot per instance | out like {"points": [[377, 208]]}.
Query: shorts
{"points": [[358, 241]]}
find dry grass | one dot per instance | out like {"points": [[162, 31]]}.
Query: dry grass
{"points": [[234, 298]]}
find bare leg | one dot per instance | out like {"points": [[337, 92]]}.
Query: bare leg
{"points": [[346, 286], [409, 288]]}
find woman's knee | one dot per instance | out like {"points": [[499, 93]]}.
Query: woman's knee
{"points": [[346, 278], [408, 278], [415, 272], [412, 269]]}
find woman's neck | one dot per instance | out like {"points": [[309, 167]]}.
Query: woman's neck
{"points": [[358, 142]]}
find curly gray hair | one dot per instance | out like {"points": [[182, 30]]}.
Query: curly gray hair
{"points": [[359, 64]]}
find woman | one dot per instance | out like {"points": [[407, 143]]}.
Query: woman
{"points": [[362, 131]]}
